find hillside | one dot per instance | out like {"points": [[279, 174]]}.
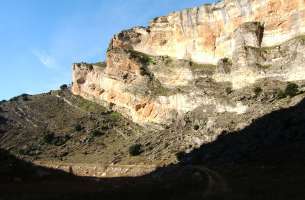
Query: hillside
{"points": [[211, 97], [249, 163]]}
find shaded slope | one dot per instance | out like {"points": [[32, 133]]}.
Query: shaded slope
{"points": [[275, 133], [23, 180], [263, 161]]}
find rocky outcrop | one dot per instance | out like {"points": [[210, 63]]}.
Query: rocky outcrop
{"points": [[205, 34], [192, 59], [249, 34], [148, 89], [251, 61]]}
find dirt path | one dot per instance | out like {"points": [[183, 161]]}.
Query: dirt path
{"points": [[216, 183], [99, 171], [142, 180]]}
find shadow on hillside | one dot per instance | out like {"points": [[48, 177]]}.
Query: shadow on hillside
{"points": [[23, 180], [263, 161], [2, 120], [276, 138]]}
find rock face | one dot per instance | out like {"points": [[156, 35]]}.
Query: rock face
{"points": [[157, 75], [205, 34]]}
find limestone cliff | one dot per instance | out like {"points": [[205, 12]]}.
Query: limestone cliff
{"points": [[205, 34], [191, 60]]}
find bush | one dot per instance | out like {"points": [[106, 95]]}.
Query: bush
{"points": [[196, 127], [25, 97], [227, 61], [115, 116], [280, 94], [92, 135], [96, 133], [29, 151], [257, 90], [144, 71], [90, 67], [64, 87], [229, 90], [50, 138], [100, 64], [135, 150], [13, 99], [292, 89], [152, 61], [78, 127], [142, 57]]}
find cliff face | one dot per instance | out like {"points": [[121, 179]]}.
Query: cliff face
{"points": [[160, 74], [205, 34]]}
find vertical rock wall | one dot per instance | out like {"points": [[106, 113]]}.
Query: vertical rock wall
{"points": [[205, 34], [143, 80]]}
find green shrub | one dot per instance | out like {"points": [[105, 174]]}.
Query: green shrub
{"points": [[93, 135], [89, 106], [78, 127], [25, 97], [50, 138], [257, 90], [97, 133], [29, 151], [13, 99], [142, 57], [227, 61], [100, 64], [292, 89], [151, 61], [196, 127], [64, 87], [144, 71], [167, 60], [90, 67], [280, 94], [207, 68], [135, 150], [115, 116], [22, 152], [158, 89], [301, 37], [229, 90], [263, 67]]}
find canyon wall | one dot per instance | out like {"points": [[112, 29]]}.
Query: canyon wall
{"points": [[205, 34], [157, 75]]}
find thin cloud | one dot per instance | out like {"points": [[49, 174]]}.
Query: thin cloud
{"points": [[46, 59]]}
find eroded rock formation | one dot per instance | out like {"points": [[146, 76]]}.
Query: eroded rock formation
{"points": [[158, 74], [205, 34]]}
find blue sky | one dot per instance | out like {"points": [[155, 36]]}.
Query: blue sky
{"points": [[40, 39]]}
